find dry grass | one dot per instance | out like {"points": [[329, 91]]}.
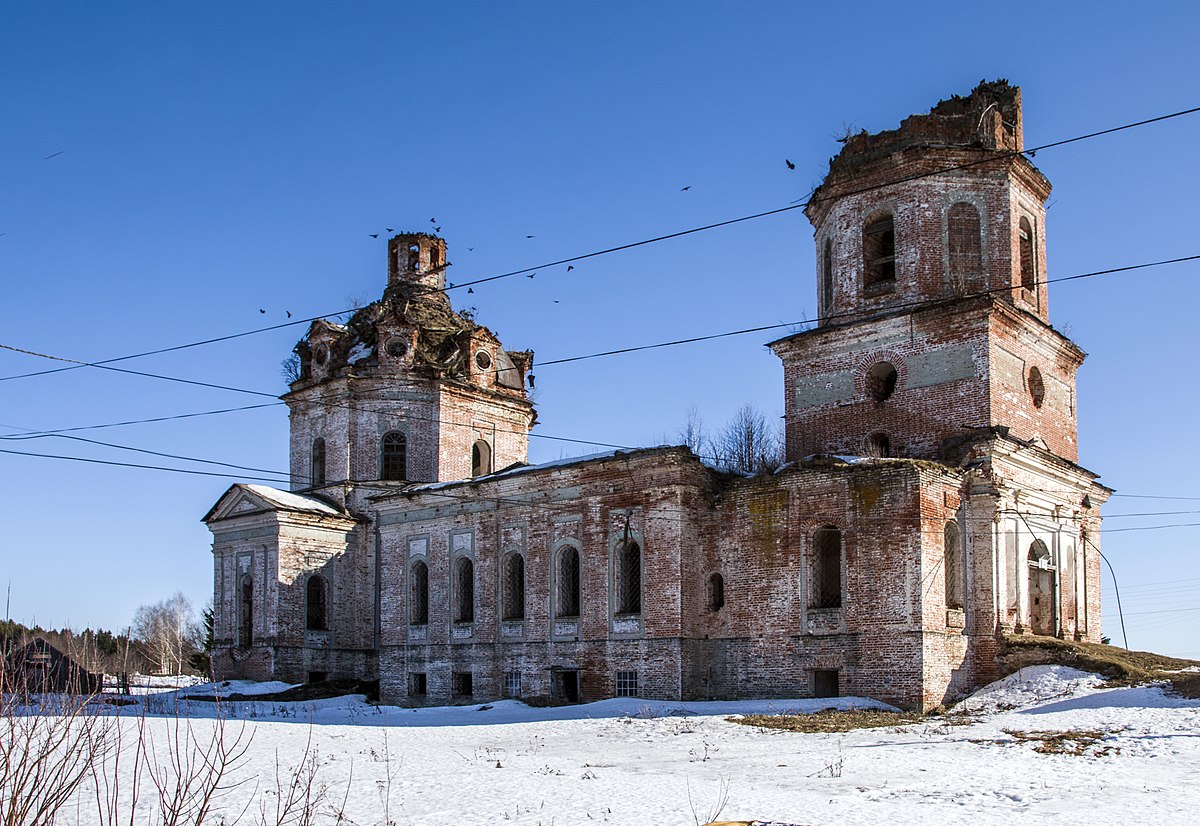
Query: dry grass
{"points": [[829, 721], [1072, 742]]}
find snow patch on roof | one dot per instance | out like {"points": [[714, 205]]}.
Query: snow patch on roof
{"points": [[292, 501]]}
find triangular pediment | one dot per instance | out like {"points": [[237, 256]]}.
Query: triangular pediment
{"points": [[246, 500], [237, 501]]}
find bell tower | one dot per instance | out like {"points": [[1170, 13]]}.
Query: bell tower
{"points": [[931, 289]]}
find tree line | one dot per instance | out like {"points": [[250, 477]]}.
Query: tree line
{"points": [[163, 638]]}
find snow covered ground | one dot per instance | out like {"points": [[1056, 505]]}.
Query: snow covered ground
{"points": [[1134, 756]]}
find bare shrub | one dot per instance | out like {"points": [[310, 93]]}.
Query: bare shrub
{"points": [[749, 443]]}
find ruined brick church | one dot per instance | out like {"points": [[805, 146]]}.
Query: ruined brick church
{"points": [[932, 500]]}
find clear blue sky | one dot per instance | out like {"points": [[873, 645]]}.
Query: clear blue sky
{"points": [[222, 158]]}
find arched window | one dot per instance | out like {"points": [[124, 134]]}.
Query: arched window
{"points": [[715, 596], [629, 578], [514, 587], [881, 381], [464, 590], [481, 458], [393, 457], [827, 279], [965, 246], [568, 582], [316, 474], [246, 612], [316, 617], [418, 594], [1039, 554], [827, 568], [879, 252], [1026, 250], [953, 562]]}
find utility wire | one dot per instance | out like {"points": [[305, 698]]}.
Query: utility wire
{"points": [[991, 158], [140, 466]]}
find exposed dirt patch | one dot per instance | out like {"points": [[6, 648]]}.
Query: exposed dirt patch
{"points": [[829, 721], [1073, 742]]}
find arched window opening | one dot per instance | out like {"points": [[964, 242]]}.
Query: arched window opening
{"points": [[965, 247], [246, 612], [879, 446], [393, 461], [827, 279], [464, 590], [568, 582], [418, 594], [1039, 554], [715, 596], [1026, 254], [1037, 387], [881, 381], [317, 472], [316, 615], [514, 587], [879, 253], [629, 578], [953, 562], [827, 568], [414, 257], [481, 458]]}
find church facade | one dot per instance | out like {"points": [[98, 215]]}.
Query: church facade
{"points": [[931, 502]]}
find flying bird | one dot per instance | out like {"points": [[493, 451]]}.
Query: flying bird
{"points": [[261, 310], [531, 275], [374, 234], [789, 164], [470, 290], [55, 155], [437, 229], [389, 229], [289, 312], [570, 267], [528, 236], [685, 189], [470, 249]]}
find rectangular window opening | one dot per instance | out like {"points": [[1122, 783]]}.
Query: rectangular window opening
{"points": [[825, 683], [627, 684], [461, 684], [512, 684], [416, 685]]}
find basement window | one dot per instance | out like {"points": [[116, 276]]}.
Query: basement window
{"points": [[460, 684], [626, 684], [417, 684], [825, 683], [512, 683]]}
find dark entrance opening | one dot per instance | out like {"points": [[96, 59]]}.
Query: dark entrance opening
{"points": [[566, 686], [825, 683]]}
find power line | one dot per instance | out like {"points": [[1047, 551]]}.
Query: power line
{"points": [[147, 451], [135, 465], [656, 239], [836, 316]]}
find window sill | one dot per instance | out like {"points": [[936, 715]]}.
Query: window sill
{"points": [[879, 288]]}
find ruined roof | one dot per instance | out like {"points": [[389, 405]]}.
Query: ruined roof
{"points": [[271, 498], [989, 118]]}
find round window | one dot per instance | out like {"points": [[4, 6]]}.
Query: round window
{"points": [[322, 354], [396, 347], [482, 360], [1037, 388]]}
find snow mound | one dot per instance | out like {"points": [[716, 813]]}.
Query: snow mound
{"points": [[229, 687], [1031, 686]]}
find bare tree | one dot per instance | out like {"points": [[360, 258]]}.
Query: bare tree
{"points": [[692, 433], [169, 632], [749, 442]]}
